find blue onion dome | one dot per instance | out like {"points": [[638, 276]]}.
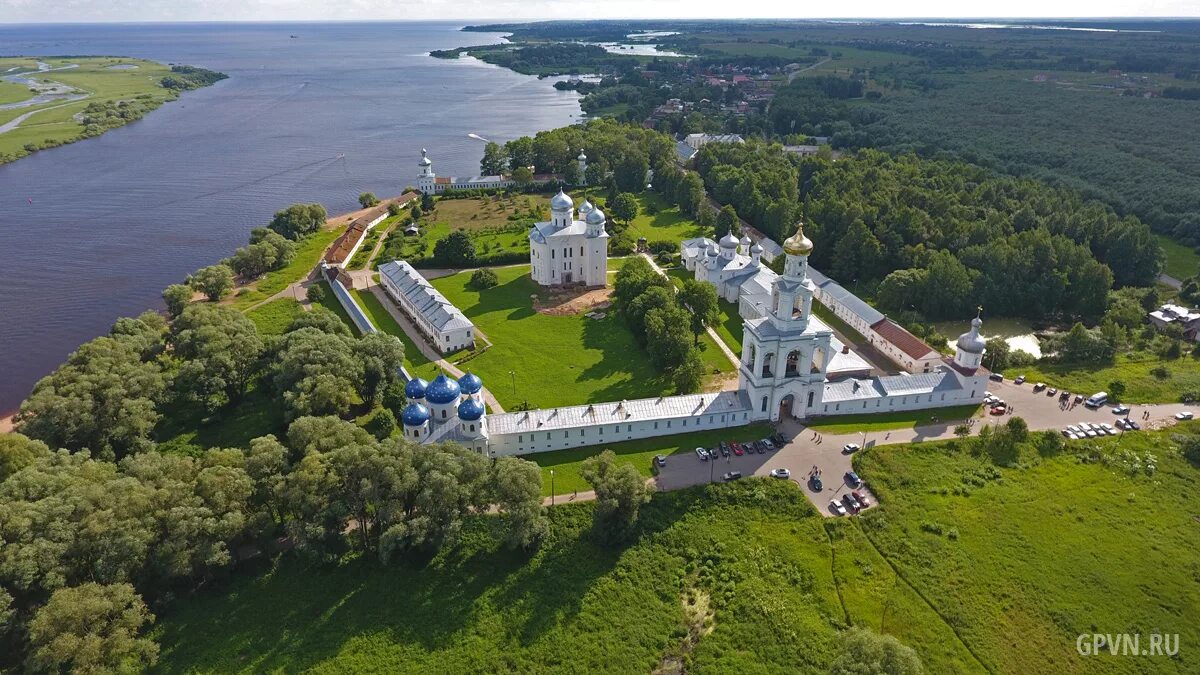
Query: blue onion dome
{"points": [[585, 208], [595, 217], [415, 388], [414, 415], [470, 410], [470, 383], [442, 390], [561, 202]]}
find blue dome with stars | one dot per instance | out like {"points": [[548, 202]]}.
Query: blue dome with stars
{"points": [[442, 390], [470, 410], [415, 388], [414, 415], [470, 383]]}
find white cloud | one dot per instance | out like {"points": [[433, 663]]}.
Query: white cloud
{"points": [[511, 10]]}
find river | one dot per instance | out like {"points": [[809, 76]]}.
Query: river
{"points": [[95, 230]]}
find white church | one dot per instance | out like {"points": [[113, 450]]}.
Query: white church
{"points": [[569, 251], [788, 370]]}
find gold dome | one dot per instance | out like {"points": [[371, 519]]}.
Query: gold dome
{"points": [[798, 244]]}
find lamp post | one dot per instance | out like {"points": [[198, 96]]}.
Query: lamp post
{"points": [[513, 375], [551, 487], [711, 462]]}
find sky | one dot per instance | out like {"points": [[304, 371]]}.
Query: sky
{"points": [[478, 11]]}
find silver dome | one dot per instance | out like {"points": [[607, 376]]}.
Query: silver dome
{"points": [[595, 216], [561, 202], [971, 341]]}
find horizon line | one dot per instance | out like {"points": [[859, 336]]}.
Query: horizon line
{"points": [[530, 20]]}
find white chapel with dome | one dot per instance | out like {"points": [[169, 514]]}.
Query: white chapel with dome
{"points": [[568, 250]]}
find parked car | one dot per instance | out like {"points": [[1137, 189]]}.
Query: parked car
{"points": [[724, 448], [1065, 396], [1039, 386], [1131, 425], [816, 483], [1020, 380], [731, 475], [778, 439], [702, 454], [1051, 391], [862, 498], [768, 444], [737, 449], [1079, 398], [762, 449], [997, 410], [836, 507], [781, 473], [851, 503], [853, 479], [1120, 409], [996, 377], [660, 460], [1183, 415], [850, 448]]}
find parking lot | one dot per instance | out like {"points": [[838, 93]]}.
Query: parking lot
{"points": [[805, 448]]}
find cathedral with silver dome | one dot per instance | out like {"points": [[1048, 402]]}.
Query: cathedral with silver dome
{"points": [[569, 250]]}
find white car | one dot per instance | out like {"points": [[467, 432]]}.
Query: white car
{"points": [[837, 508], [1108, 428], [1073, 429], [781, 473], [850, 448], [702, 454], [1184, 415]]}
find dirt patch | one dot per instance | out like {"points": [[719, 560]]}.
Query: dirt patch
{"points": [[698, 617], [569, 302]]}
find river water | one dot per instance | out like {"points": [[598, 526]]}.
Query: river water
{"points": [[95, 230]]}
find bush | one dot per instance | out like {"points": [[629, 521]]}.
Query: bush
{"points": [[381, 424], [482, 278], [662, 246], [315, 294]]}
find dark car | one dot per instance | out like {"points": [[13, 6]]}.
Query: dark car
{"points": [[996, 377], [851, 503], [724, 448], [853, 479], [761, 447], [778, 439], [1066, 395], [732, 475], [816, 483]]}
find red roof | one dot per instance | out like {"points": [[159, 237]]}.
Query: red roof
{"points": [[341, 247], [907, 342]]}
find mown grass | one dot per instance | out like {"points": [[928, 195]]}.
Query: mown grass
{"points": [[666, 224], [1181, 261], [557, 360], [640, 453], [1132, 369], [900, 419], [1030, 557], [414, 360], [274, 317], [309, 252], [330, 302], [756, 551], [497, 225]]}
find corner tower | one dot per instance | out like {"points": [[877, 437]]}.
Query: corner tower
{"points": [[426, 178]]}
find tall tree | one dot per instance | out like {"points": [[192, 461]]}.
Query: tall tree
{"points": [[92, 628], [727, 221], [495, 161], [177, 296], [299, 220], [214, 281], [620, 493], [220, 348], [701, 299], [516, 487], [455, 250], [624, 208]]}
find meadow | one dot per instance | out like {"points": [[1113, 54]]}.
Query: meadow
{"points": [[274, 317], [498, 225], [555, 360], [666, 223], [309, 252], [1133, 369], [1181, 261]]}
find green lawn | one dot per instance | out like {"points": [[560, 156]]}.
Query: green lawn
{"points": [[667, 224], [1029, 558], [902, 419], [1182, 261], [558, 360], [729, 325], [1132, 369], [185, 429], [330, 302], [498, 225], [639, 453], [309, 252], [274, 317], [414, 360]]}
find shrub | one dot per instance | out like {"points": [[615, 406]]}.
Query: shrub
{"points": [[381, 424], [932, 528], [482, 278], [662, 246], [315, 294]]}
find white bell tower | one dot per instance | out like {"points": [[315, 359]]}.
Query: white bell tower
{"points": [[582, 160], [426, 179]]}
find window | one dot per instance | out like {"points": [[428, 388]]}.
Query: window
{"points": [[764, 404], [581, 431], [547, 435], [656, 425], [581, 250], [472, 427], [520, 439], [443, 414], [566, 434]]}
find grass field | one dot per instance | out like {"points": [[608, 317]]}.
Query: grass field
{"points": [[1132, 369], [497, 224], [274, 317], [94, 77], [308, 253], [414, 360], [1182, 261], [639, 453], [666, 224], [558, 360], [901, 419], [185, 429], [330, 302]]}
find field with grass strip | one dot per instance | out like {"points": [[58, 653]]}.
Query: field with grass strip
{"points": [[274, 317], [309, 252], [665, 224], [557, 360], [1141, 386], [901, 419], [1021, 554], [639, 453], [1182, 261]]}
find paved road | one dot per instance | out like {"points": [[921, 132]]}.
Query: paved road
{"points": [[804, 451], [1170, 281]]}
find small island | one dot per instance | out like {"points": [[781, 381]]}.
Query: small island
{"points": [[46, 102]]}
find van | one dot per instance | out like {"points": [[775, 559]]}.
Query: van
{"points": [[1096, 400]]}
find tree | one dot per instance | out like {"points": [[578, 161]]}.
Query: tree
{"points": [[318, 373], [1018, 427], [103, 399], [482, 278], [381, 356], [727, 221], [455, 250], [900, 289], [254, 260], [624, 208], [309, 435], [857, 254], [322, 319], [867, 653], [299, 220], [522, 176], [381, 424], [520, 152], [367, 200], [427, 203], [92, 628], [315, 293], [213, 281], [220, 349], [267, 465], [997, 354], [620, 493], [18, 451], [962, 430], [1116, 389], [177, 296], [689, 375], [516, 487], [701, 299], [415, 212], [668, 336], [638, 311], [494, 161]]}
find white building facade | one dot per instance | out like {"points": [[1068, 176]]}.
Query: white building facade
{"points": [[430, 183], [437, 318], [566, 251]]}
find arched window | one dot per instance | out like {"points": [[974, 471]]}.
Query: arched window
{"points": [[764, 404], [768, 363], [793, 364], [810, 398]]}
